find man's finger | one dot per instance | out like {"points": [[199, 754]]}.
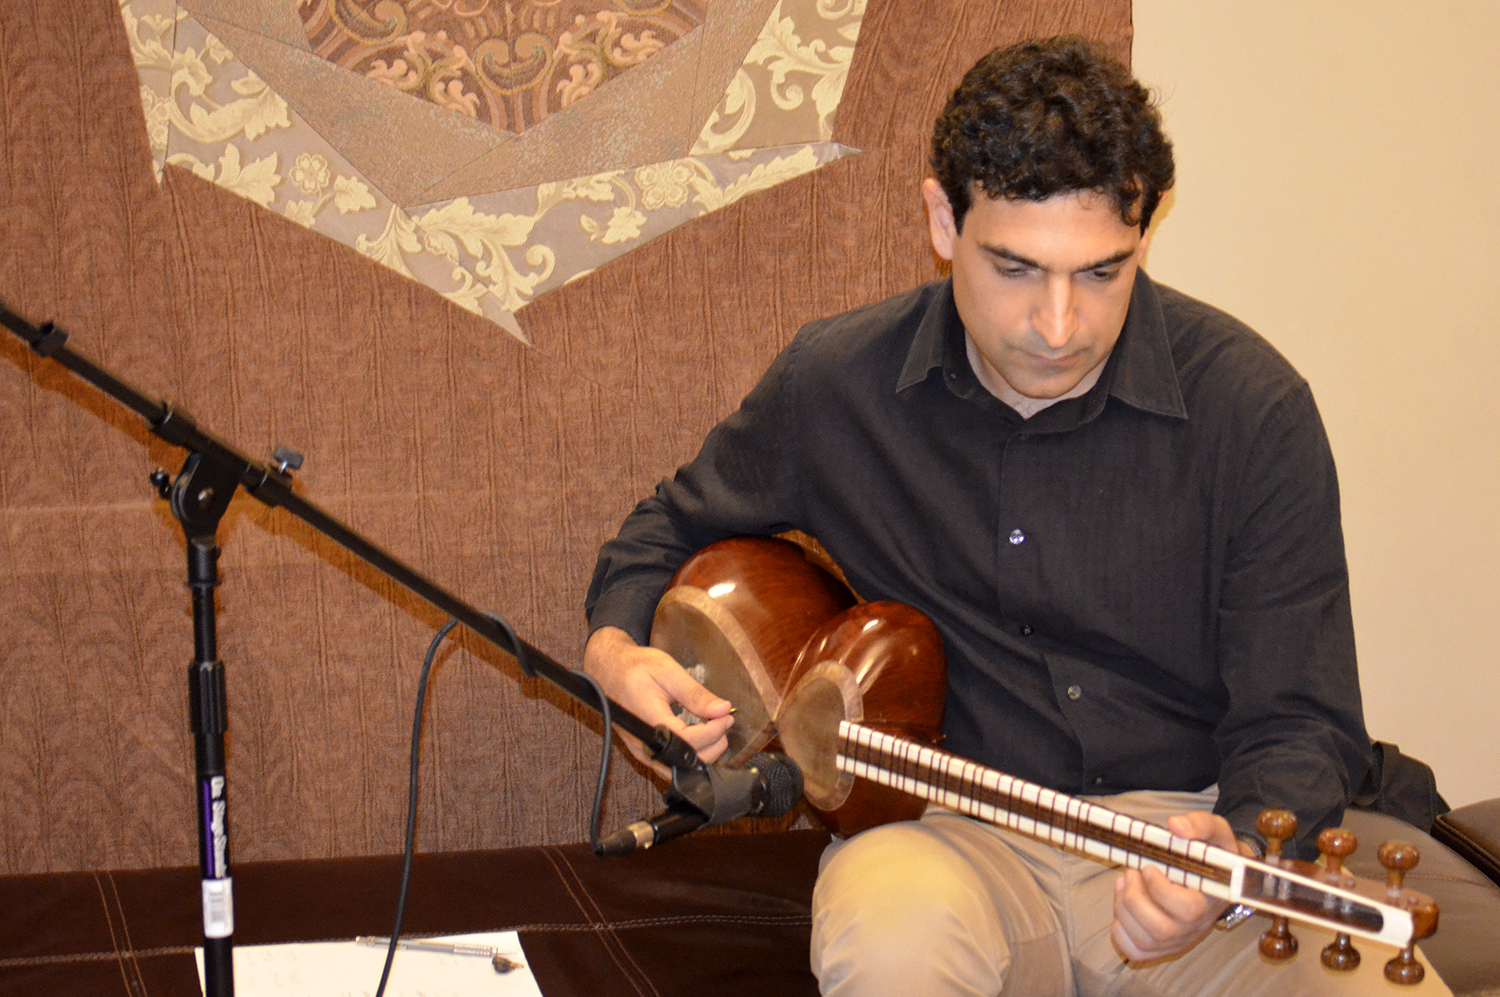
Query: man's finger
{"points": [[1182, 904], [1155, 917], [1128, 935], [704, 737], [695, 697], [1146, 924], [1200, 825]]}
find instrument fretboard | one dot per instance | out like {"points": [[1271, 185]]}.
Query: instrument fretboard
{"points": [[1066, 821]]}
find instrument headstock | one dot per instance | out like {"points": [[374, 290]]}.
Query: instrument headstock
{"points": [[1335, 845]]}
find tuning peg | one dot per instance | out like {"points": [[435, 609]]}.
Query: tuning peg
{"points": [[1340, 954], [1404, 968], [1399, 858], [1278, 942], [1335, 844], [1277, 826]]}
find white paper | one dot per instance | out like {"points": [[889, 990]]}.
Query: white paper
{"points": [[345, 969]]}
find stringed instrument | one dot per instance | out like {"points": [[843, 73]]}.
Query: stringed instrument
{"points": [[854, 693]]}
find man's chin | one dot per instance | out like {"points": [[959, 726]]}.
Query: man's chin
{"points": [[1048, 388]]}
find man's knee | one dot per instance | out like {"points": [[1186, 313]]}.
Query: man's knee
{"points": [[906, 908]]}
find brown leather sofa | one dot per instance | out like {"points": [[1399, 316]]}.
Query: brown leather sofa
{"points": [[714, 913]]}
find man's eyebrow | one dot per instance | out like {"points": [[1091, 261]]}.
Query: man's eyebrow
{"points": [[1008, 254]]}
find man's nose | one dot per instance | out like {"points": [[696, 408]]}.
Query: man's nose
{"points": [[1056, 316]]}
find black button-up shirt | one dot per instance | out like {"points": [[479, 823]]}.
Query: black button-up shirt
{"points": [[1142, 587]]}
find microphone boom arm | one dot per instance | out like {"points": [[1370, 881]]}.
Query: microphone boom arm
{"points": [[228, 467], [199, 497]]}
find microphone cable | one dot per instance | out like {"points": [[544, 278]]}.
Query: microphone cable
{"points": [[411, 804], [519, 651], [609, 737]]}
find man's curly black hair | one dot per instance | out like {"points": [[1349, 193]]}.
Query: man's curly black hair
{"points": [[1050, 117]]}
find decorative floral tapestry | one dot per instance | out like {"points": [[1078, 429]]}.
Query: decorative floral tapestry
{"points": [[493, 150], [506, 64]]}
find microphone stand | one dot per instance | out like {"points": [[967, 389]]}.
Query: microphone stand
{"points": [[199, 497]]}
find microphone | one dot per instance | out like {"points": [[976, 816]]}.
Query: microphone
{"points": [[766, 786]]}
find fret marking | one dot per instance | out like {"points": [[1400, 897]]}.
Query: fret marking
{"points": [[965, 786]]}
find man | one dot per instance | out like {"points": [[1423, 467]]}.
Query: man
{"points": [[1118, 506]]}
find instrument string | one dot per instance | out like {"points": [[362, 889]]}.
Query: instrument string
{"points": [[953, 781]]}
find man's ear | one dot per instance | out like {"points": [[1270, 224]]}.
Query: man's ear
{"points": [[940, 221]]}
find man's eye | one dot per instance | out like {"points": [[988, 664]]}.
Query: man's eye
{"points": [[1013, 271], [1104, 276]]}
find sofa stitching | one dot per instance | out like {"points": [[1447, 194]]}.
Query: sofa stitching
{"points": [[623, 950], [113, 941], [17, 962], [125, 930], [547, 853], [654, 922], [606, 935]]}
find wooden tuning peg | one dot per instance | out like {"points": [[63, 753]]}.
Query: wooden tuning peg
{"points": [[1405, 969], [1277, 826], [1335, 844], [1340, 954], [1399, 858], [1278, 943]]}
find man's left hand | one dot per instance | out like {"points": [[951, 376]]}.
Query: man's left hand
{"points": [[1154, 917]]}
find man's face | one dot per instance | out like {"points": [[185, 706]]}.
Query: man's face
{"points": [[1042, 287]]}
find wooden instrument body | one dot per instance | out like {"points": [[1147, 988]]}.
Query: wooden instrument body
{"points": [[761, 625]]}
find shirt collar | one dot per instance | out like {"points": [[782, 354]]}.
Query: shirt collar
{"points": [[929, 347], [1139, 372], [1144, 374]]}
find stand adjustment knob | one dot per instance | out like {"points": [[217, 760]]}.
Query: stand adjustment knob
{"points": [[286, 459], [161, 481]]}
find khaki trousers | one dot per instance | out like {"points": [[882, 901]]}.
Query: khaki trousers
{"points": [[949, 905]]}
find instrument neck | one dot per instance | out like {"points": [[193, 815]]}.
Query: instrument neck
{"points": [[970, 788]]}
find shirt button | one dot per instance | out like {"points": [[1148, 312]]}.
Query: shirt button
{"points": [[1098, 780], [1017, 537], [1027, 630], [1075, 691]]}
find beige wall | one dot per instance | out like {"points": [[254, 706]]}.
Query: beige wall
{"points": [[1338, 191]]}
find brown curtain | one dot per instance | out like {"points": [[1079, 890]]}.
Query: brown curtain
{"points": [[496, 468]]}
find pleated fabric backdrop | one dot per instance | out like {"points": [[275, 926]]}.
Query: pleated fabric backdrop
{"points": [[496, 467]]}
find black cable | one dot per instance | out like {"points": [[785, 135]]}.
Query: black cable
{"points": [[609, 732], [411, 804], [519, 650]]}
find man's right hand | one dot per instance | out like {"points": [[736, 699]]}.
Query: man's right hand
{"points": [[649, 683]]}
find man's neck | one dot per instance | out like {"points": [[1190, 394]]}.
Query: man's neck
{"points": [[1025, 405]]}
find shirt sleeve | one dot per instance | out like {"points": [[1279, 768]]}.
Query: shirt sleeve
{"points": [[1293, 735], [743, 481]]}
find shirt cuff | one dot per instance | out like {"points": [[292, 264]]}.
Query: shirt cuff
{"points": [[630, 610], [1255, 841]]}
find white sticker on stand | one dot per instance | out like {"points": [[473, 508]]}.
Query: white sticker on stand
{"points": [[218, 908]]}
